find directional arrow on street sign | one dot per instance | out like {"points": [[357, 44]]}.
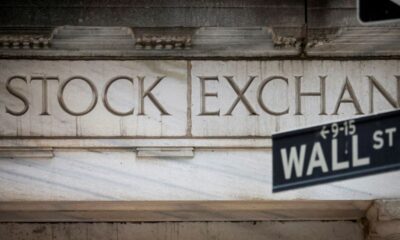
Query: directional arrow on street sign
{"points": [[372, 11], [335, 151]]}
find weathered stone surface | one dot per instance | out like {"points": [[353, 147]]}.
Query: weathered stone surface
{"points": [[384, 219], [125, 42], [335, 13], [280, 95], [274, 86], [345, 230], [224, 174], [370, 41], [175, 13], [171, 211], [232, 158], [202, 29], [123, 96], [334, 30]]}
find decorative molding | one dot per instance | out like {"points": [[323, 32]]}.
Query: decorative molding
{"points": [[317, 42], [286, 42], [33, 41], [203, 42], [92, 42], [163, 42], [26, 152], [130, 143], [166, 152], [354, 41], [142, 211], [320, 37], [92, 38], [285, 39]]}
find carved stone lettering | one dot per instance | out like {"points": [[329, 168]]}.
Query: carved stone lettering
{"points": [[105, 96], [61, 100], [93, 98], [147, 93], [320, 94], [44, 91], [174, 98], [260, 96], [204, 94], [353, 98], [18, 95], [240, 95], [373, 83]]}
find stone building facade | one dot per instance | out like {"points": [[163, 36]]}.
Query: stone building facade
{"points": [[153, 119]]}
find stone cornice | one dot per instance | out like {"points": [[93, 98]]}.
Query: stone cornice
{"points": [[34, 41], [353, 41], [204, 42], [151, 42]]}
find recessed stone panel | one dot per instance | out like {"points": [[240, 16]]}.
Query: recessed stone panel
{"points": [[150, 98], [144, 98], [259, 98]]}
